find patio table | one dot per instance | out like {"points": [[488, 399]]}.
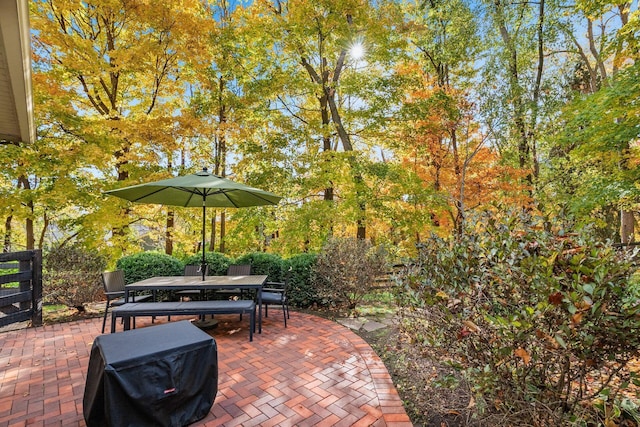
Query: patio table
{"points": [[181, 283]]}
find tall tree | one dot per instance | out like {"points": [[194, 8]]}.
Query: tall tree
{"points": [[439, 137], [516, 77], [111, 72], [598, 148], [314, 38]]}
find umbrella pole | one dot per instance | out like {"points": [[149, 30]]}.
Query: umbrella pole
{"points": [[203, 265], [202, 323]]}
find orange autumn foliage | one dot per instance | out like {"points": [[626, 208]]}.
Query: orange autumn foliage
{"points": [[443, 147]]}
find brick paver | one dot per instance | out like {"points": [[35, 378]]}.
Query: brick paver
{"points": [[314, 372]]}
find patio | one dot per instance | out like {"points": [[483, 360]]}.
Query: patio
{"points": [[315, 372]]}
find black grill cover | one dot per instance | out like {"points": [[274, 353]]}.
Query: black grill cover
{"points": [[165, 375]]}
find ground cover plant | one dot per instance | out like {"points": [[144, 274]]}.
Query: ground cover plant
{"points": [[346, 270], [539, 326], [71, 276]]}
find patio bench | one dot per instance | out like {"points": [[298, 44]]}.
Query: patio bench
{"points": [[175, 308]]}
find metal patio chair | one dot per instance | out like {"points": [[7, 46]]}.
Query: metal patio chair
{"points": [[275, 293], [113, 283]]}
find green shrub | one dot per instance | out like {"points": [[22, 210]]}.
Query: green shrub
{"points": [[263, 263], [218, 263], [144, 265], [542, 325], [71, 276], [299, 272], [346, 269]]}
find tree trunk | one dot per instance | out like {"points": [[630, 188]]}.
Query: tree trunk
{"points": [[31, 240], [627, 228], [123, 175], [536, 93], [43, 232], [594, 50], [7, 234], [168, 237], [515, 95], [326, 141], [327, 99], [26, 185], [222, 151], [212, 233], [361, 232], [222, 231], [460, 179]]}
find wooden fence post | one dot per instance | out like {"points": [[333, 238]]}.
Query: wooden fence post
{"points": [[36, 265]]}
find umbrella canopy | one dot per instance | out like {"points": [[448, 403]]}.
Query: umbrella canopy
{"points": [[199, 189], [193, 190]]}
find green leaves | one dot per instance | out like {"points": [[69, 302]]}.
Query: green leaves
{"points": [[598, 134], [532, 315]]}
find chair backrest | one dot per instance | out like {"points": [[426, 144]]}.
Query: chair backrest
{"points": [[113, 281], [239, 270], [195, 270], [276, 286]]}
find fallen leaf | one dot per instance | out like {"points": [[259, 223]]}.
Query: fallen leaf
{"points": [[576, 319], [556, 299], [472, 326], [464, 332], [472, 403], [523, 354]]}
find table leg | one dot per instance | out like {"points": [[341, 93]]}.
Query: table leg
{"points": [[260, 310]]}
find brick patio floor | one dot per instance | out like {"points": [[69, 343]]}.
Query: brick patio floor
{"points": [[313, 373]]}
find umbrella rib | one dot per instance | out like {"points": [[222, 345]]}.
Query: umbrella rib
{"points": [[191, 194], [224, 192], [253, 194], [189, 190], [136, 200]]}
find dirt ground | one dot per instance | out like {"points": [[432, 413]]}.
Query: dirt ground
{"points": [[413, 375]]}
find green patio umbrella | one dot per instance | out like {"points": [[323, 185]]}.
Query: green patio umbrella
{"points": [[199, 189]]}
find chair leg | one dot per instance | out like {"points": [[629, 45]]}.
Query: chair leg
{"points": [[252, 323], [104, 320], [284, 314]]}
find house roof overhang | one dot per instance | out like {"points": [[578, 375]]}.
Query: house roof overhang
{"points": [[16, 98]]}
